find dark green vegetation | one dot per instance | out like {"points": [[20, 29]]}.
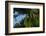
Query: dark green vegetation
{"points": [[32, 20]]}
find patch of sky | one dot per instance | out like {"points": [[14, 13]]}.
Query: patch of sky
{"points": [[19, 18]]}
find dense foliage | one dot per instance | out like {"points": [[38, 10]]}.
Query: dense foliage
{"points": [[32, 18]]}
